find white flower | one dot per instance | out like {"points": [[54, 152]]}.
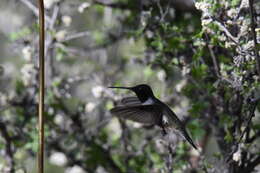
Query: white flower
{"points": [[97, 91], [136, 125], [59, 119], [230, 22], [185, 70], [237, 81], [66, 20], [229, 44], [58, 159], [180, 85], [205, 22], [222, 37], [27, 53], [161, 75], [199, 43], [149, 34], [244, 28], [60, 35], [89, 107], [144, 17], [248, 45], [74, 169], [3, 99], [238, 60], [114, 128], [244, 4], [50, 111], [203, 6], [237, 155], [28, 74], [232, 12], [100, 169], [83, 6]]}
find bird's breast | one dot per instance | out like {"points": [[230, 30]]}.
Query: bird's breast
{"points": [[149, 101]]}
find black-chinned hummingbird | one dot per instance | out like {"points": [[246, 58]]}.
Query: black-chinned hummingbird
{"points": [[147, 109]]}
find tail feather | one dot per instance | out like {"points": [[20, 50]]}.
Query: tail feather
{"points": [[188, 138]]}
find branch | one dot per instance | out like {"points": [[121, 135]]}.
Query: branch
{"points": [[169, 161], [253, 25], [225, 30], [251, 115], [34, 9], [214, 58], [76, 35], [251, 166]]}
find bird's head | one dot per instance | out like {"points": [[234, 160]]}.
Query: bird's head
{"points": [[142, 91]]}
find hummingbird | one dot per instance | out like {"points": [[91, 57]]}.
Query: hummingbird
{"points": [[147, 109]]}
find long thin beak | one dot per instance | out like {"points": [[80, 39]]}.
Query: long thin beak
{"points": [[129, 88]]}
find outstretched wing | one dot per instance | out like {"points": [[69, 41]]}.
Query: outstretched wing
{"points": [[130, 101], [146, 114]]}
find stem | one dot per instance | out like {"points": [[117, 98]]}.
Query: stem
{"points": [[41, 88]]}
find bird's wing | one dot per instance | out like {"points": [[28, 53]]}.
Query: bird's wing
{"points": [[130, 101], [148, 114]]}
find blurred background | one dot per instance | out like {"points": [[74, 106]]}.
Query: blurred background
{"points": [[201, 58]]}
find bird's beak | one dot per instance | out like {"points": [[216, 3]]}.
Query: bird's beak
{"points": [[129, 88]]}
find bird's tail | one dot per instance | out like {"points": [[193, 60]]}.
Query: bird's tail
{"points": [[187, 137]]}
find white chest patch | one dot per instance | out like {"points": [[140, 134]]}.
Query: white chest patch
{"points": [[148, 102]]}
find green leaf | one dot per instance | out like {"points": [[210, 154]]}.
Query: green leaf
{"points": [[99, 37], [13, 36], [199, 72], [228, 138], [148, 72], [196, 129]]}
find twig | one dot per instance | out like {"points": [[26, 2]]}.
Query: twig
{"points": [[169, 161], [125, 140], [252, 114], [163, 14], [34, 9], [224, 29], [213, 57], [76, 35], [54, 16], [49, 50], [253, 25], [251, 165]]}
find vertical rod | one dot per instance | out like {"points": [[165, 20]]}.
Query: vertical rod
{"points": [[41, 89]]}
